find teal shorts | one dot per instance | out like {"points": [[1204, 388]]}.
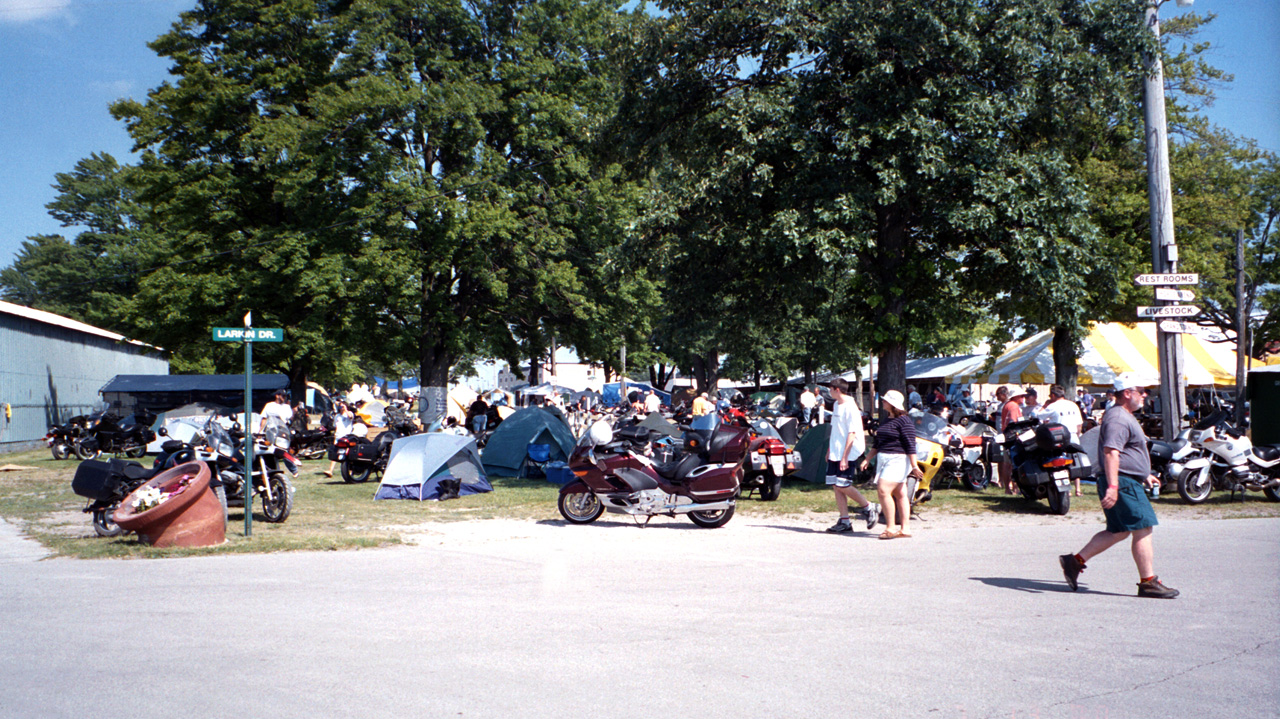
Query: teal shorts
{"points": [[1132, 511]]}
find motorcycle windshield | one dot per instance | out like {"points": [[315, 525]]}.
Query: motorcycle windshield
{"points": [[219, 438], [932, 427], [276, 432]]}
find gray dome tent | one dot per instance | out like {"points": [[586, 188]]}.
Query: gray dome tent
{"points": [[505, 451], [427, 466]]}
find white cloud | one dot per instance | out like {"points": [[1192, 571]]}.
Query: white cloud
{"points": [[21, 11]]}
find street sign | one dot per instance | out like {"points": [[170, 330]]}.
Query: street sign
{"points": [[1169, 311], [241, 334], [1168, 294], [1180, 327], [1166, 278]]}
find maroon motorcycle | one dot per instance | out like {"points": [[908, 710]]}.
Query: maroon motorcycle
{"points": [[703, 481]]}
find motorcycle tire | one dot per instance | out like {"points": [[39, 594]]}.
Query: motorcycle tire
{"points": [[355, 476], [135, 451], [976, 477], [1273, 493], [60, 451], [712, 519], [277, 509], [104, 525], [1059, 501], [1194, 486], [771, 488], [580, 507], [84, 453]]}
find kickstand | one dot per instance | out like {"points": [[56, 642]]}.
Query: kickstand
{"points": [[916, 516]]}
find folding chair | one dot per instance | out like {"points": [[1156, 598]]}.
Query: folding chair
{"points": [[535, 461]]}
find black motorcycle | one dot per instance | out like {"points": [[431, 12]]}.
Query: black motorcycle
{"points": [[1045, 461], [111, 434], [106, 484], [311, 443], [61, 439]]}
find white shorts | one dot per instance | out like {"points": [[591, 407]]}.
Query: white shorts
{"points": [[892, 468]]}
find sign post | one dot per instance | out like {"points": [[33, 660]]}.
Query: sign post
{"points": [[248, 335]]}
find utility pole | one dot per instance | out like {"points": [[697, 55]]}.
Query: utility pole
{"points": [[1164, 250], [1242, 331]]}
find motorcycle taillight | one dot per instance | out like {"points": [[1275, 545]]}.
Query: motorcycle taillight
{"points": [[1058, 462]]}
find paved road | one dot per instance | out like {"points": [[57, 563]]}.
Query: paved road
{"points": [[763, 618]]}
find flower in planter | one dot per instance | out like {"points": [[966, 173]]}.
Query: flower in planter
{"points": [[148, 498]]}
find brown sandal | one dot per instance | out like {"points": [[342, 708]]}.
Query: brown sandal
{"points": [[886, 534]]}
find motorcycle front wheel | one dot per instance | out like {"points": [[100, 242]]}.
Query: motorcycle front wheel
{"points": [[60, 450], [104, 525], [85, 453], [976, 477], [277, 508], [1195, 485], [135, 451], [355, 475], [712, 518], [580, 507]]}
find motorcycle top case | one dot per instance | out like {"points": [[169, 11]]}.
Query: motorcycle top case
{"points": [[94, 480], [1052, 437]]}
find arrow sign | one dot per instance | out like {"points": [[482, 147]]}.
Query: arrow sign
{"points": [[1167, 294], [1169, 311], [1174, 327], [1166, 279]]}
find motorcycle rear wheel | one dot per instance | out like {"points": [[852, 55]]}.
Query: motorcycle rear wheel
{"points": [[771, 488], [277, 508], [353, 475], [712, 518], [1273, 493], [60, 450], [1059, 501], [104, 525], [1194, 486], [580, 507]]}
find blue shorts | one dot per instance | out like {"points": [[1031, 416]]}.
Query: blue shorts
{"points": [[845, 478], [1132, 511]]}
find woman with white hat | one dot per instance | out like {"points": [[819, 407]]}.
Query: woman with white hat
{"points": [[895, 453]]}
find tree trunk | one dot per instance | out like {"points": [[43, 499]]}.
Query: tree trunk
{"points": [[706, 371], [434, 362], [1065, 369], [891, 254], [298, 383], [535, 367]]}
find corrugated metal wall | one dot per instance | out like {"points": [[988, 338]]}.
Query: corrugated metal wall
{"points": [[49, 373]]}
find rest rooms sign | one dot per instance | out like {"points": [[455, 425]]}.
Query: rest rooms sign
{"points": [[240, 334]]}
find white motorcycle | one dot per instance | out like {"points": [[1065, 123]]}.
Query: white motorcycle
{"points": [[1229, 462]]}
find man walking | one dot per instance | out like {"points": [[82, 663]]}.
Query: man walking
{"points": [[1126, 468], [847, 443]]}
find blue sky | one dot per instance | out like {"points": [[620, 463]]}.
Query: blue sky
{"points": [[63, 61]]}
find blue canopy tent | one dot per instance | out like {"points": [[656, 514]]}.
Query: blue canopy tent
{"points": [[427, 466], [612, 394], [505, 452]]}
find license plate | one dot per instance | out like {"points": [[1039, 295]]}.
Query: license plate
{"points": [[342, 453], [48, 442], [1062, 474], [778, 463], [1063, 484]]}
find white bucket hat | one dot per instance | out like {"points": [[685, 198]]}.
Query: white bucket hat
{"points": [[893, 398]]}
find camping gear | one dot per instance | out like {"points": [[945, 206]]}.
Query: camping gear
{"points": [[373, 413], [812, 449], [703, 483], [536, 458], [611, 394], [505, 451], [433, 466]]}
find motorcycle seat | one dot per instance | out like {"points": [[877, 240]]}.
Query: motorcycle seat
{"points": [[130, 470], [1267, 454], [678, 469], [636, 480]]}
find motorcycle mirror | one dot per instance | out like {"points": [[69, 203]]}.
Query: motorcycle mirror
{"points": [[162, 432]]}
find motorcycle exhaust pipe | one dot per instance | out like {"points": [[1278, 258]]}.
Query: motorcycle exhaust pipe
{"points": [[701, 507]]}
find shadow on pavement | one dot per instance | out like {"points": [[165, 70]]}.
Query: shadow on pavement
{"points": [[1036, 586]]}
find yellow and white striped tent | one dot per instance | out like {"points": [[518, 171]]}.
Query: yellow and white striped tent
{"points": [[1109, 350]]}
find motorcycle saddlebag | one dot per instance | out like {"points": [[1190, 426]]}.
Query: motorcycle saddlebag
{"points": [[333, 453], [1161, 451], [94, 480], [1052, 437], [367, 451]]}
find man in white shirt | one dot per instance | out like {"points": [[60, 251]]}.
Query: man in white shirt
{"points": [[1063, 411], [807, 403], [279, 407], [846, 445], [652, 403]]}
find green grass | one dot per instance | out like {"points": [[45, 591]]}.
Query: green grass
{"points": [[329, 514]]}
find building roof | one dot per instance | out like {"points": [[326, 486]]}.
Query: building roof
{"points": [[192, 382], [50, 318]]}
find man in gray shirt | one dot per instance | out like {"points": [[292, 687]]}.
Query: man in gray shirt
{"points": [[1126, 469]]}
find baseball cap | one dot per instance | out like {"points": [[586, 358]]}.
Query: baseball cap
{"points": [[1130, 380]]}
